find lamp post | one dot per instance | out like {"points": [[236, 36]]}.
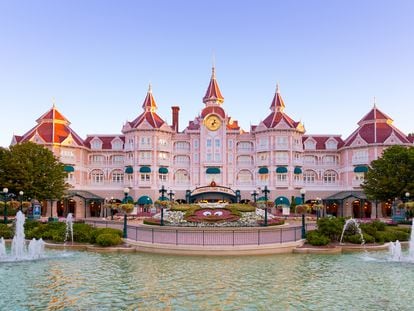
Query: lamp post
{"points": [[104, 212], [21, 200], [302, 193], [5, 191], [162, 191], [317, 209], [407, 196], [112, 211], [265, 191], [126, 191], [171, 194], [254, 194]]}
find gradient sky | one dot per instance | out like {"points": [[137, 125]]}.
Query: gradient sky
{"points": [[96, 58]]}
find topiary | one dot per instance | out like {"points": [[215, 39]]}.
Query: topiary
{"points": [[82, 233], [316, 238], [98, 231], [108, 239], [331, 227]]}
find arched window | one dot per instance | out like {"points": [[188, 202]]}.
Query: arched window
{"points": [[97, 177], [244, 177], [309, 177], [182, 177], [330, 177], [117, 176]]}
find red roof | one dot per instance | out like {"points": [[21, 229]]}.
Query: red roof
{"points": [[213, 109], [213, 91], [52, 127], [322, 139], [376, 127], [106, 140], [277, 102], [149, 113]]}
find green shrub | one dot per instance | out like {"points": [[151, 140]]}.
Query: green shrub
{"points": [[242, 207], [180, 207], [316, 238], [82, 232], [6, 231], [151, 221], [98, 231], [356, 238], [370, 229], [31, 224], [108, 239], [379, 225], [401, 235], [368, 238], [385, 236], [10, 211], [331, 227]]}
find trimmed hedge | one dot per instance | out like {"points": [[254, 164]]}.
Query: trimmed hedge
{"points": [[6, 231], [108, 239], [99, 231], [316, 238], [242, 207]]}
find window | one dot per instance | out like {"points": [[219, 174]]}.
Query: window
{"points": [[162, 156], [117, 145], [68, 154], [309, 160], [282, 157], [117, 177], [97, 159], [281, 177], [70, 178], [145, 141], [195, 141], [244, 177], [163, 177], [329, 159], [309, 177], [145, 155], [282, 142], [209, 157], [331, 144], [230, 143], [360, 156], [96, 144], [230, 157], [310, 145], [145, 177], [208, 143], [329, 177], [359, 177], [195, 157], [217, 157], [263, 142], [244, 146], [217, 143], [181, 177], [118, 159], [182, 159], [244, 160], [97, 176], [162, 142]]}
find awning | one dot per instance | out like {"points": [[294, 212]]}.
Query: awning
{"points": [[298, 200], [144, 200], [262, 199], [282, 201], [213, 170], [297, 170], [83, 194], [361, 169], [281, 170], [263, 170], [163, 170], [145, 169], [129, 170], [128, 199], [163, 198], [69, 168]]}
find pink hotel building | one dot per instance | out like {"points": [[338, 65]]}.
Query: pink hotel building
{"points": [[213, 158]]}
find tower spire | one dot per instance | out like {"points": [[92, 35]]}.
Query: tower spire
{"points": [[213, 93]]}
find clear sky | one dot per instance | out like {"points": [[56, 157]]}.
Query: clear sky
{"points": [[96, 58]]}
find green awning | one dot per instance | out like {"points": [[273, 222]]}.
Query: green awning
{"points": [[297, 170], [281, 170], [163, 170], [261, 199], [129, 170], [163, 198], [213, 170], [128, 199], [69, 168], [361, 169], [282, 201], [263, 170], [145, 169], [144, 200], [298, 200]]}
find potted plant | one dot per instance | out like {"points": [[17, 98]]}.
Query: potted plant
{"points": [[127, 207]]}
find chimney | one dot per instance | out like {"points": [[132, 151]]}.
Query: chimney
{"points": [[175, 110]]}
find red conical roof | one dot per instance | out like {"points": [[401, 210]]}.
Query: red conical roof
{"points": [[213, 91], [277, 102], [149, 101]]}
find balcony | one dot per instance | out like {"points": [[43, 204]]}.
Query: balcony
{"points": [[144, 161], [360, 160], [145, 147], [164, 162], [282, 184], [243, 150]]}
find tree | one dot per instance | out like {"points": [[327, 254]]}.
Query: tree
{"points": [[33, 169], [391, 175]]}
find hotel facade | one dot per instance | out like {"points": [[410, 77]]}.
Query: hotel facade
{"points": [[213, 158]]}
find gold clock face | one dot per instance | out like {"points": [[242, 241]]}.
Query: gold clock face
{"points": [[212, 122]]}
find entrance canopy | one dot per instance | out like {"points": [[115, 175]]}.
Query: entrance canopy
{"points": [[213, 193], [343, 195], [86, 195]]}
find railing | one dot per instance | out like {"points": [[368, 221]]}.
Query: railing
{"points": [[209, 236]]}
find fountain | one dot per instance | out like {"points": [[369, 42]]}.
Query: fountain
{"points": [[69, 227], [395, 249], [356, 224], [19, 250]]}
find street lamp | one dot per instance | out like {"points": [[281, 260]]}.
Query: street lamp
{"points": [[407, 196], [265, 191], [317, 209], [254, 194], [126, 191], [302, 193], [162, 191], [21, 200], [112, 210], [105, 211], [5, 191], [171, 194]]}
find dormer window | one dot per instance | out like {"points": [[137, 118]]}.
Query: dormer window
{"points": [[331, 144], [310, 145], [96, 144], [117, 144]]}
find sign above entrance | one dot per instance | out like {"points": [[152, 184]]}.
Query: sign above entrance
{"points": [[213, 189]]}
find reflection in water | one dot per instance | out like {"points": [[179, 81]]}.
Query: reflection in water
{"points": [[91, 281]]}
